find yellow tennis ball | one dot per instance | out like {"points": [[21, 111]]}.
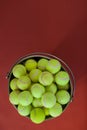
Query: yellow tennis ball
{"points": [[13, 97], [29, 89], [19, 70], [37, 102], [24, 82], [37, 90], [24, 110], [56, 110], [52, 88], [62, 78], [37, 115], [13, 84], [48, 99], [65, 87], [46, 111], [46, 78], [25, 98], [53, 66], [34, 75], [42, 64], [30, 64], [63, 97]]}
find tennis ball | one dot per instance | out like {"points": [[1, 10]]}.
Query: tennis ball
{"points": [[34, 75], [65, 87], [13, 84], [62, 78], [37, 90], [46, 78], [52, 88], [48, 99], [42, 64], [53, 66], [29, 89], [37, 102], [56, 110], [13, 97], [30, 64], [25, 98], [46, 111], [19, 70], [24, 82], [37, 115], [24, 110], [63, 97]]}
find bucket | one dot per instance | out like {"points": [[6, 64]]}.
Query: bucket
{"points": [[36, 56]]}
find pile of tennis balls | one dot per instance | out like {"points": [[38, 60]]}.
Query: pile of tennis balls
{"points": [[39, 88]]}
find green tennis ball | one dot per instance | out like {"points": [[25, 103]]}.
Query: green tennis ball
{"points": [[30, 64], [19, 70], [24, 82], [46, 111], [42, 64], [37, 102], [66, 87], [34, 75], [25, 98], [37, 115], [62, 78], [63, 97], [48, 99], [46, 78], [53, 66], [13, 97], [52, 88], [13, 84], [29, 89], [56, 110], [37, 90], [24, 110]]}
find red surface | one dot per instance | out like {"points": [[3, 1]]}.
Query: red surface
{"points": [[56, 27]]}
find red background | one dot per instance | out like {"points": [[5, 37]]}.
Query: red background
{"points": [[53, 26]]}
